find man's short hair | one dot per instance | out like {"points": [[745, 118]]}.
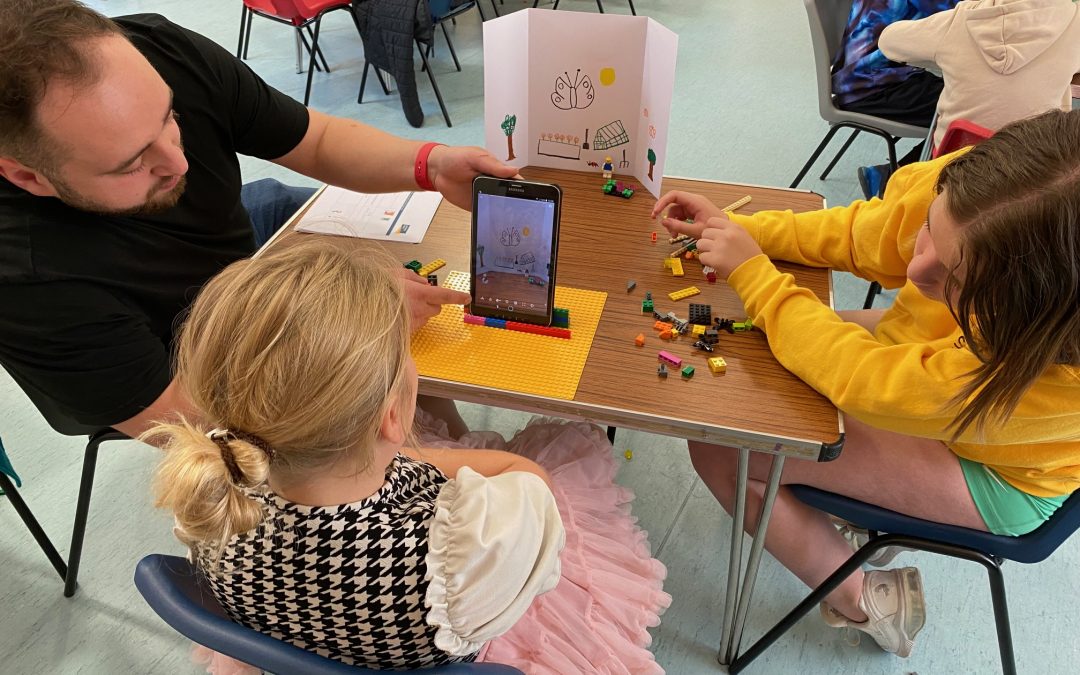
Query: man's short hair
{"points": [[42, 42]]}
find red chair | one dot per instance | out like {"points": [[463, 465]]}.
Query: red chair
{"points": [[300, 14], [961, 134]]}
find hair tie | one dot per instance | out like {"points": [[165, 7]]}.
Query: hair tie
{"points": [[221, 438]]}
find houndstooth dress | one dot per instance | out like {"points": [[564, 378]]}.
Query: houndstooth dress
{"points": [[348, 581]]}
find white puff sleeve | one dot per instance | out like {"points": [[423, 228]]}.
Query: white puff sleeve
{"points": [[493, 545]]}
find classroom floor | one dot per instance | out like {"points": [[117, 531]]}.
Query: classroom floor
{"points": [[745, 110]]}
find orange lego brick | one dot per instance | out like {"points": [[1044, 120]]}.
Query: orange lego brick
{"points": [[662, 325], [666, 334], [640, 340], [447, 348]]}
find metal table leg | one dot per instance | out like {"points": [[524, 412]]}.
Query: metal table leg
{"points": [[737, 603]]}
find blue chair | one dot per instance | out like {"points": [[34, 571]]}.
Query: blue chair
{"points": [[987, 549], [171, 586]]}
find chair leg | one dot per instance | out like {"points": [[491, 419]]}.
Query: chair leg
{"points": [[434, 85], [82, 509], [247, 34], [307, 48], [32, 524], [243, 25], [363, 82], [813, 158], [600, 5], [325, 66], [1001, 617], [311, 63], [450, 44], [871, 294], [843, 149], [632, 10]]}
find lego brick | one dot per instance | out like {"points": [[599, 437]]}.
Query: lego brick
{"points": [[431, 267], [640, 340], [491, 322], [698, 329], [676, 267], [654, 237], [711, 336], [446, 348], [669, 358], [661, 370], [630, 285], [474, 320], [414, 265], [687, 292], [433, 279], [646, 306], [560, 317], [742, 326], [662, 326], [648, 295], [717, 365], [666, 334], [700, 314], [736, 204], [711, 277], [688, 372], [703, 346], [725, 324]]}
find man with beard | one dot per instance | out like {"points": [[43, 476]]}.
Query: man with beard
{"points": [[120, 195]]}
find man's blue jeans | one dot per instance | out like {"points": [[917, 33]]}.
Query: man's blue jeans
{"points": [[270, 203]]}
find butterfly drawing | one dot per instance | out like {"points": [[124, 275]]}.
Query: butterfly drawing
{"points": [[576, 94]]}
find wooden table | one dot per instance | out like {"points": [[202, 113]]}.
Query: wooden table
{"points": [[756, 406]]}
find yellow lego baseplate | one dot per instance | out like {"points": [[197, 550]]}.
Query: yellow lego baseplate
{"points": [[431, 267], [447, 348], [687, 292]]}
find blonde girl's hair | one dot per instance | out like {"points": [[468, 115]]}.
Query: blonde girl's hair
{"points": [[304, 350], [1016, 197]]}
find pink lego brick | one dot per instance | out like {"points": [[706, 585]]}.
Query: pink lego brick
{"points": [[473, 319], [670, 358]]}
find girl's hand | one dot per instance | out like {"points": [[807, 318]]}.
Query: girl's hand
{"points": [[425, 301], [683, 206], [724, 246]]}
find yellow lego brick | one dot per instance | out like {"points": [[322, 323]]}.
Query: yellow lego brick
{"points": [[667, 263], [675, 266], [431, 267], [447, 348], [688, 292], [717, 365], [699, 329]]}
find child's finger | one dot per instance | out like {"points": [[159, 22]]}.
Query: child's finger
{"points": [[665, 201]]}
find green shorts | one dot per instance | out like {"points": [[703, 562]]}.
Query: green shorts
{"points": [[1006, 510]]}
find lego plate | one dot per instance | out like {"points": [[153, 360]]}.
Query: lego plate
{"points": [[447, 348]]}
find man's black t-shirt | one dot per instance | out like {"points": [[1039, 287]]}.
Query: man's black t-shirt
{"points": [[89, 303]]}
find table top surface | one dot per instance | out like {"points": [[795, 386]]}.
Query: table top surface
{"points": [[604, 241]]}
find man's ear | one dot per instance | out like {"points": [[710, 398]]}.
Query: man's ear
{"points": [[22, 176], [392, 429]]}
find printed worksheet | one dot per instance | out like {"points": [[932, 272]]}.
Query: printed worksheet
{"points": [[394, 216]]}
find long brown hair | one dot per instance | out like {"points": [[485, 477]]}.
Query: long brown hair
{"points": [[304, 350], [1016, 197]]}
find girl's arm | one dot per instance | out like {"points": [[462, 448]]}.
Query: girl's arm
{"points": [[916, 42], [484, 462]]}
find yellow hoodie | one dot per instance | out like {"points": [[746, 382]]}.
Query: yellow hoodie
{"points": [[903, 376]]}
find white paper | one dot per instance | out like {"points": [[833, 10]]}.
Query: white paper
{"points": [[394, 216], [581, 88]]}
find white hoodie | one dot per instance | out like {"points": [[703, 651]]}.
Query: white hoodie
{"points": [[1002, 60]]}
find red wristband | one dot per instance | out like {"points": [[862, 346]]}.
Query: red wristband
{"points": [[420, 168]]}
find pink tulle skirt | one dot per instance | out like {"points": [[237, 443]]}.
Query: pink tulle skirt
{"points": [[596, 620]]}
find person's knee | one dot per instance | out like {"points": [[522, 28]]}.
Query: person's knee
{"points": [[712, 461]]}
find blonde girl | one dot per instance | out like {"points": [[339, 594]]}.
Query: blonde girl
{"points": [[301, 499]]}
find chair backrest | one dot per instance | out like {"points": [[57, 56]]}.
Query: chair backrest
{"points": [[960, 134], [828, 19], [174, 589], [296, 11]]}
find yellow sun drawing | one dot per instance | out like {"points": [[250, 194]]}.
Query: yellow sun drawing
{"points": [[524, 231], [607, 76]]}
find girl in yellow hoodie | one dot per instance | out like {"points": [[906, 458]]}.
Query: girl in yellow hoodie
{"points": [[962, 401]]}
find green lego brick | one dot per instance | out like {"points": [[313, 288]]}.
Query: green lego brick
{"points": [[688, 371], [413, 265]]}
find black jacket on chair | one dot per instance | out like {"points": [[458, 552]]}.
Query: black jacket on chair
{"points": [[388, 29]]}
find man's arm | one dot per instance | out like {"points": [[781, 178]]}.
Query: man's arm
{"points": [[360, 157], [169, 407]]}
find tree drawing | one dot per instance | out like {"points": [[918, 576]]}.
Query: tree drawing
{"points": [[652, 161], [508, 128]]}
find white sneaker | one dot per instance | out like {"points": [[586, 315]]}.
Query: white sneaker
{"points": [[857, 538], [895, 609]]}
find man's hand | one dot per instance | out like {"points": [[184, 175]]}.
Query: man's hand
{"points": [[683, 206], [424, 300], [452, 170], [724, 246]]}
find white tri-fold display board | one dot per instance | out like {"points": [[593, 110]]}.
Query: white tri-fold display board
{"points": [[577, 90]]}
